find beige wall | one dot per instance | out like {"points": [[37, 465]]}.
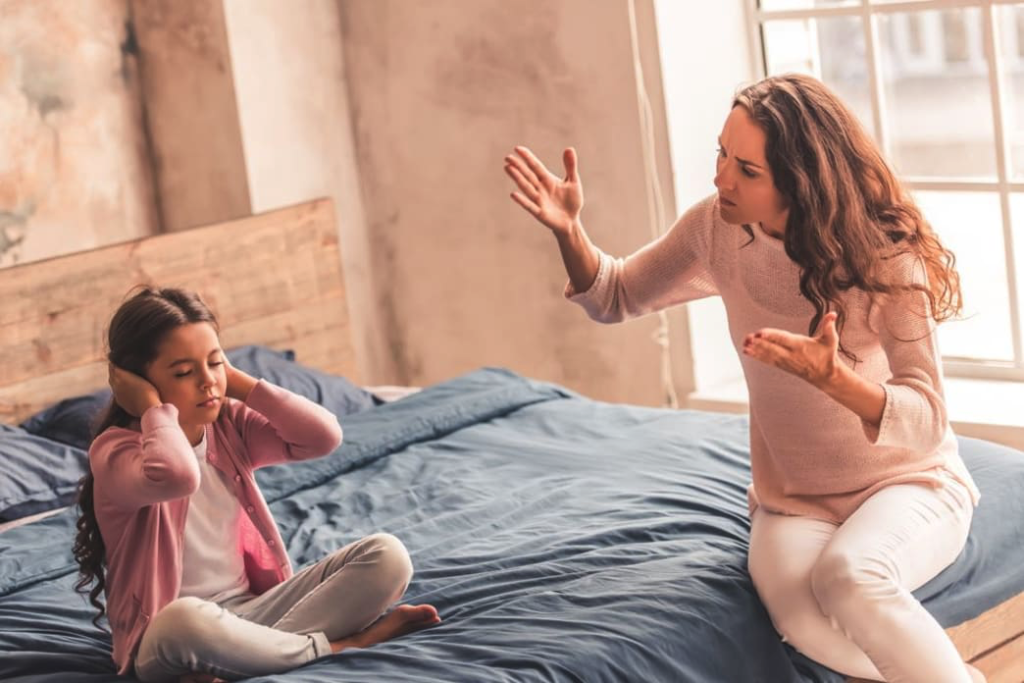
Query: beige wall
{"points": [[401, 111], [293, 109], [440, 92], [74, 171]]}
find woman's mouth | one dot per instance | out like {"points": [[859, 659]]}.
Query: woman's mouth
{"points": [[725, 201], [209, 403]]}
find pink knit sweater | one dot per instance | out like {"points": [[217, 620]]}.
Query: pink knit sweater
{"points": [[809, 455]]}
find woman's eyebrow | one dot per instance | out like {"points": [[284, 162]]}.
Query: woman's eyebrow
{"points": [[742, 161]]}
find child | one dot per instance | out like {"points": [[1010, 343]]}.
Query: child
{"points": [[859, 495], [176, 533]]}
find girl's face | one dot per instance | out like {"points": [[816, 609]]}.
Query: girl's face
{"points": [[189, 372], [746, 191]]}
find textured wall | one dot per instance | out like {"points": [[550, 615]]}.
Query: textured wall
{"points": [[293, 109], [440, 92], [73, 167], [401, 111]]}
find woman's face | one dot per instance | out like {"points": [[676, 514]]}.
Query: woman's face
{"points": [[746, 191], [189, 372]]}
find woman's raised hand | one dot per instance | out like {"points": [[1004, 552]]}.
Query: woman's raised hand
{"points": [[133, 393], [553, 201]]}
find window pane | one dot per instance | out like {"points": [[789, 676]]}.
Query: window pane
{"points": [[937, 98], [775, 5], [970, 224], [831, 49], [1011, 22]]}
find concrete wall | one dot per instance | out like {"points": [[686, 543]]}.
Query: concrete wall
{"points": [[401, 111], [293, 109], [74, 170], [440, 92]]}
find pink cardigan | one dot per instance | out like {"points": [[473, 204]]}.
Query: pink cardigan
{"points": [[143, 482]]}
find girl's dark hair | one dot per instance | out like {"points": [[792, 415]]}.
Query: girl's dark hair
{"points": [[847, 211], [138, 327]]}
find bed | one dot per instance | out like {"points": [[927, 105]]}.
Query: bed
{"points": [[562, 539]]}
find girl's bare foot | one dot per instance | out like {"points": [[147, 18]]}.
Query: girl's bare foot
{"points": [[200, 678], [976, 676], [399, 621]]}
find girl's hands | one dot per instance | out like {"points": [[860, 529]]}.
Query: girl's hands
{"points": [[239, 384], [133, 393], [554, 202], [814, 359]]}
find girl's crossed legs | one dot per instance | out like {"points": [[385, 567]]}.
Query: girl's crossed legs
{"points": [[297, 621]]}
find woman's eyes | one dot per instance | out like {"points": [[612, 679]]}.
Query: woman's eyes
{"points": [[746, 171]]}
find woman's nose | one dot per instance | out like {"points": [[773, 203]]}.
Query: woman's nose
{"points": [[722, 179]]}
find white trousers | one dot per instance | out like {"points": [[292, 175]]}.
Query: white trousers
{"points": [[841, 594]]}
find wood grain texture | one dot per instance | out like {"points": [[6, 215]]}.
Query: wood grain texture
{"points": [[272, 279]]}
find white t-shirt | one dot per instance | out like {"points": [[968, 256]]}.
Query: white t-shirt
{"points": [[212, 565]]}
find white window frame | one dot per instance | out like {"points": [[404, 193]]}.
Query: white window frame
{"points": [[1003, 185]]}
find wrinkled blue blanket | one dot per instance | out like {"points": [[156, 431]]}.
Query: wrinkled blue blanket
{"points": [[562, 539]]}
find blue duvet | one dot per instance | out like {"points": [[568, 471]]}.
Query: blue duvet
{"points": [[562, 539]]}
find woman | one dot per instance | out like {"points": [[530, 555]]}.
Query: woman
{"points": [[833, 283]]}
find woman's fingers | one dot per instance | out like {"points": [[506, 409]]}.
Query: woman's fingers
{"points": [[517, 163], [524, 202], [786, 340], [525, 185], [542, 174]]}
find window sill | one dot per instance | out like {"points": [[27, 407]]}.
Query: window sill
{"points": [[984, 409]]}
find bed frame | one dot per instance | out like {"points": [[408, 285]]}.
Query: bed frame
{"points": [[273, 279]]}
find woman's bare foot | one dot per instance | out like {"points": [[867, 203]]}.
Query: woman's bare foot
{"points": [[399, 621], [976, 676]]}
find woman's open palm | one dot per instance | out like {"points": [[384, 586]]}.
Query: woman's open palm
{"points": [[555, 202]]}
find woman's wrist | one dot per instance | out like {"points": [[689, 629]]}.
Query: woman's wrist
{"points": [[865, 398]]}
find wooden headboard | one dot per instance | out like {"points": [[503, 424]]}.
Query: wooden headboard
{"points": [[273, 279]]}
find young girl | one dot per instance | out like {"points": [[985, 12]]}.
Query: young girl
{"points": [[833, 283], [174, 529]]}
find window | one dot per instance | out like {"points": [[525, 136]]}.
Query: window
{"points": [[940, 85]]}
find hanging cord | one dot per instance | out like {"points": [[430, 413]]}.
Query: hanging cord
{"points": [[655, 203]]}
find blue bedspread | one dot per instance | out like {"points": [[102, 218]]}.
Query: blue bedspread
{"points": [[562, 539]]}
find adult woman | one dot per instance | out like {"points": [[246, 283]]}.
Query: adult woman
{"points": [[859, 495]]}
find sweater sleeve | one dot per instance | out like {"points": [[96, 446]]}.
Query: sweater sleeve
{"points": [[669, 271], [914, 416], [143, 469], [279, 426]]}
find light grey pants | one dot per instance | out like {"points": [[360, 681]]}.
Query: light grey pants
{"points": [[289, 625]]}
